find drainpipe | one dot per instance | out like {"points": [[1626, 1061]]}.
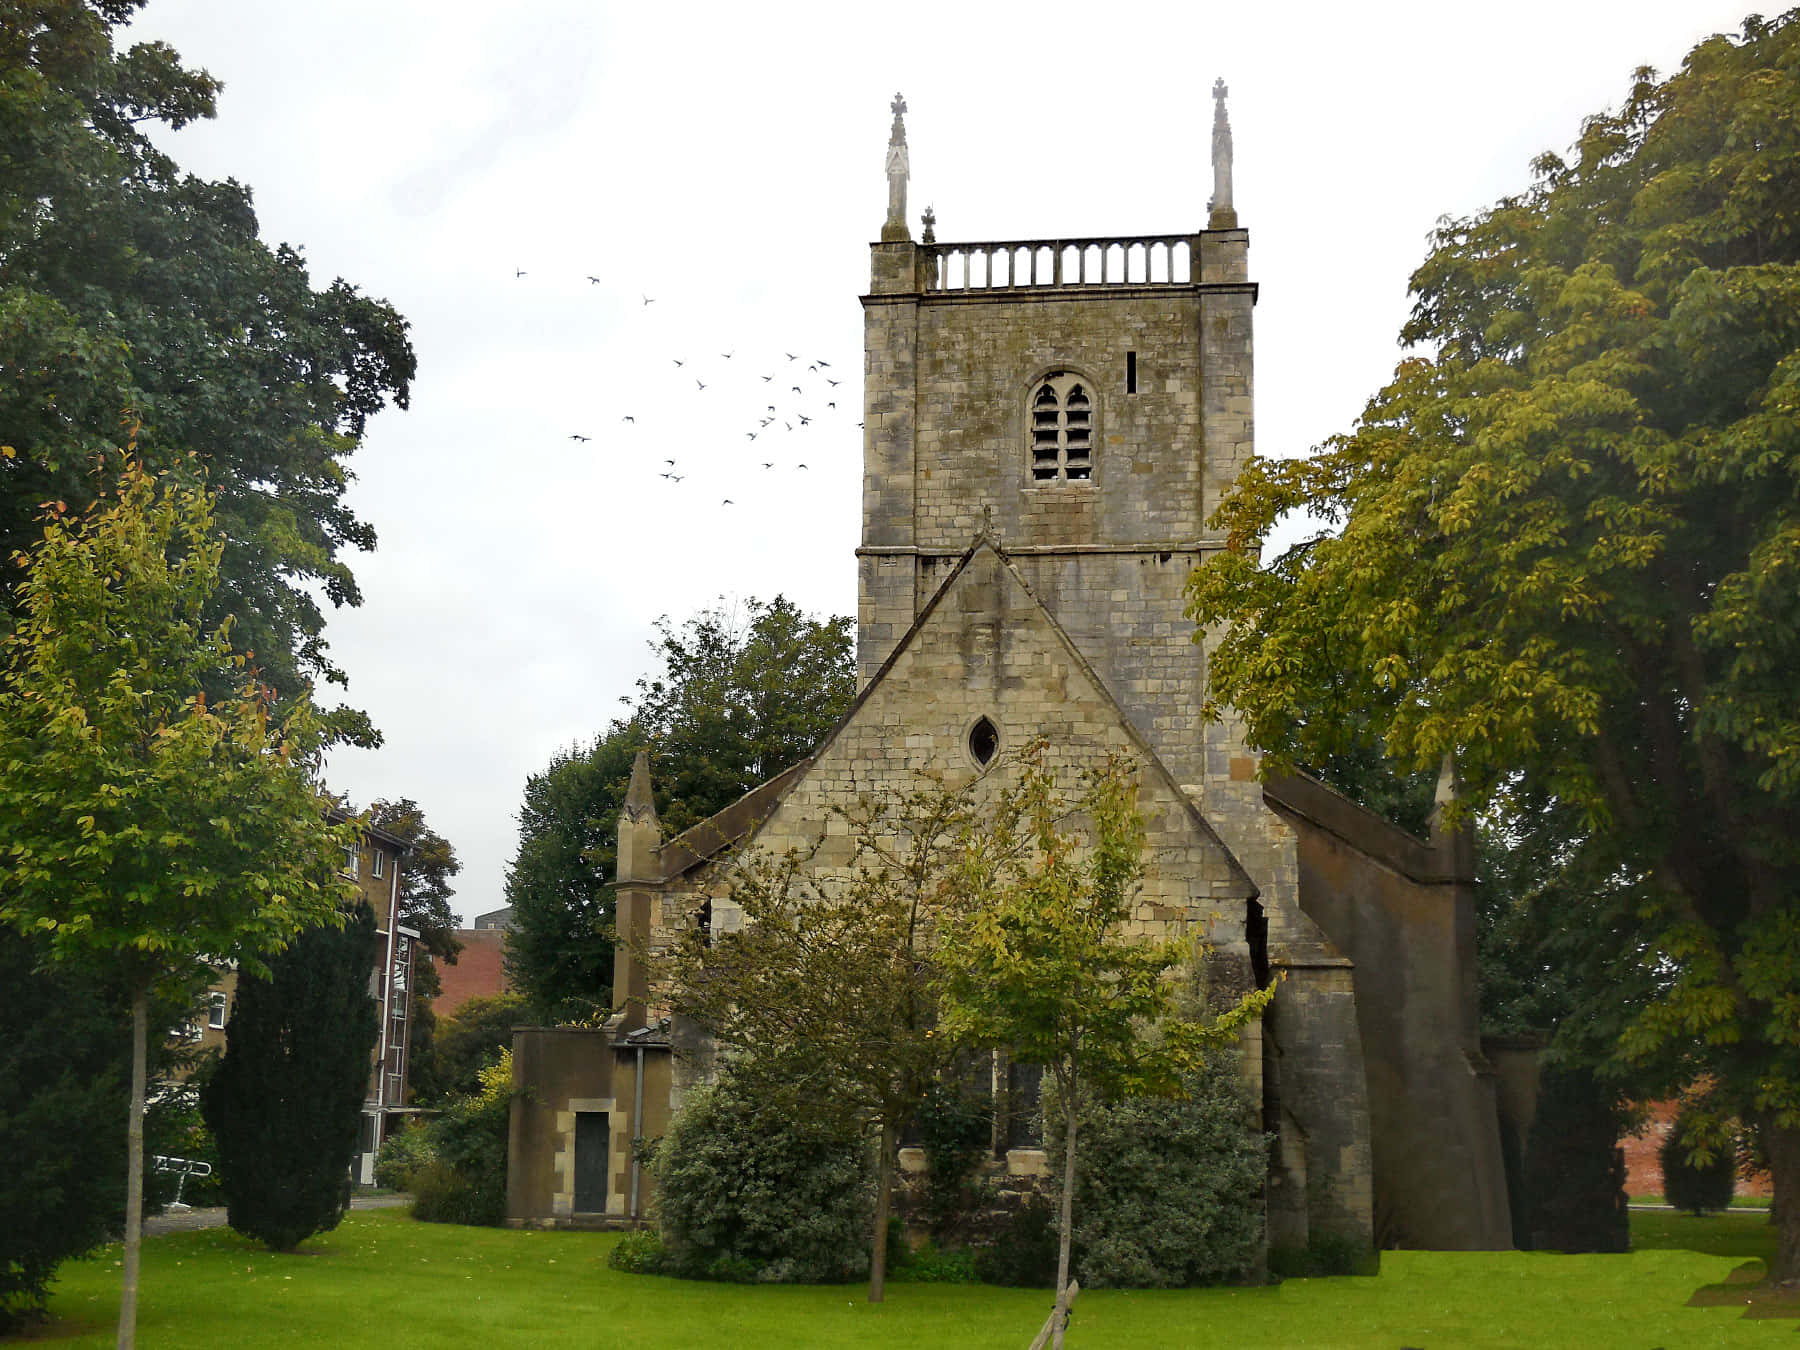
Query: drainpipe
{"points": [[637, 1127]]}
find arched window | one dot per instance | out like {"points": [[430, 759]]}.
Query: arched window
{"points": [[984, 742], [1062, 430]]}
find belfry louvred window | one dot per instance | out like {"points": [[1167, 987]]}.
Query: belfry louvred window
{"points": [[1062, 430]]}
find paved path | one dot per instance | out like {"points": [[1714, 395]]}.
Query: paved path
{"points": [[188, 1221]]}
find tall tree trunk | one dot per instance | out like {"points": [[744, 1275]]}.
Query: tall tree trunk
{"points": [[1073, 1110], [134, 1169], [1783, 1145], [884, 1192]]}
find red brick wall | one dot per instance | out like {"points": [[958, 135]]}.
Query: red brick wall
{"points": [[480, 970], [1643, 1170]]}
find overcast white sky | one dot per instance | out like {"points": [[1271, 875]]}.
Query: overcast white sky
{"points": [[727, 162]]}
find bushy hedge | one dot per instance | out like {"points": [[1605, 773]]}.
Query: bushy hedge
{"points": [[1574, 1167], [1168, 1191], [403, 1154], [1023, 1252], [1695, 1187], [746, 1192], [464, 1180]]}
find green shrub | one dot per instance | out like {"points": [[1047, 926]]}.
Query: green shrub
{"points": [[1574, 1167], [639, 1253], [930, 1264], [465, 1182], [745, 1191], [956, 1132], [1698, 1188], [401, 1155], [1023, 1253], [1168, 1191], [1325, 1254]]}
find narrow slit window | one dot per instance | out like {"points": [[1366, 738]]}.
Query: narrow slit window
{"points": [[1131, 372], [1062, 429]]}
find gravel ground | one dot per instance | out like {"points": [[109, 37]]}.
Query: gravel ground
{"points": [[188, 1221]]}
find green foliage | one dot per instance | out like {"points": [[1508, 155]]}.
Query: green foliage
{"points": [[1168, 1190], [1569, 529], [1023, 1252], [743, 694], [1042, 965], [1696, 1178], [749, 1189], [464, 1181], [474, 1038], [740, 697], [64, 1086], [285, 1104], [930, 1264], [127, 286], [424, 888], [148, 829], [1325, 1254], [402, 1154], [956, 1133], [1574, 1167], [639, 1253], [559, 951]]}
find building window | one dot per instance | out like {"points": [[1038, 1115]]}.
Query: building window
{"points": [[350, 861], [215, 1013], [1062, 430], [375, 863], [984, 742]]}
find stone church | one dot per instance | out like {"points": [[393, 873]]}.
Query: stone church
{"points": [[1048, 425]]}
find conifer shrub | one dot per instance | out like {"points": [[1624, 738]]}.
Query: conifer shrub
{"points": [[750, 1191], [955, 1130], [1697, 1187], [285, 1104], [1168, 1190], [1574, 1167]]}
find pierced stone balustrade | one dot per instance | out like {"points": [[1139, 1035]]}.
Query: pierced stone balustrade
{"points": [[1060, 264]]}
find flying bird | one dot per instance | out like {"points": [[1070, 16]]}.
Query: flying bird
{"points": [[791, 356], [804, 419], [831, 405], [649, 299], [668, 461], [767, 378], [595, 280], [833, 383], [728, 355], [750, 434], [798, 390], [577, 436], [679, 363], [768, 464], [727, 502], [799, 466], [518, 272], [823, 361], [701, 383], [628, 418]]}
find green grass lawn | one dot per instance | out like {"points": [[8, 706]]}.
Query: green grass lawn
{"points": [[384, 1281]]}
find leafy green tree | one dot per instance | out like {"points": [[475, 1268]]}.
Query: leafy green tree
{"points": [[285, 1104], [829, 987], [424, 888], [464, 1044], [559, 950], [147, 830], [741, 696], [127, 285], [1042, 966], [1569, 528]]}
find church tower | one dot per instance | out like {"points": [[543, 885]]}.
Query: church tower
{"points": [[1086, 401]]}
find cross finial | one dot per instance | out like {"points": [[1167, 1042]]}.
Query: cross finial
{"points": [[1221, 214], [898, 170], [929, 219]]}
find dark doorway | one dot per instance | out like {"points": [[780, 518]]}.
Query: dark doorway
{"points": [[593, 1135]]}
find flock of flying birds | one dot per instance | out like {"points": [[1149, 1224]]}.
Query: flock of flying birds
{"points": [[796, 394]]}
